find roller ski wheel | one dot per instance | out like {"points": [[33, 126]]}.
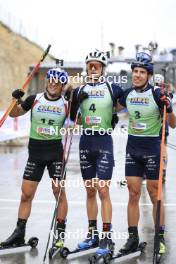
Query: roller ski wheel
{"points": [[64, 252], [33, 242], [105, 258], [142, 246]]}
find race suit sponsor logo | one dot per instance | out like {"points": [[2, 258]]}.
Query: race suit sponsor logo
{"points": [[91, 120]]}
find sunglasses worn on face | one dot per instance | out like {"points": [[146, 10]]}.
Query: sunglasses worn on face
{"points": [[94, 65]]}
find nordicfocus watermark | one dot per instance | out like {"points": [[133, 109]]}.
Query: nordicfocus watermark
{"points": [[77, 79], [79, 234], [78, 183], [79, 130]]}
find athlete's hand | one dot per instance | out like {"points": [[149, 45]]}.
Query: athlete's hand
{"points": [[165, 99], [67, 95], [82, 96], [171, 95], [115, 120], [18, 94]]}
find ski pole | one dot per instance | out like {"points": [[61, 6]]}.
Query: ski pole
{"points": [[159, 194], [24, 87], [64, 160], [158, 209], [63, 171], [57, 202]]}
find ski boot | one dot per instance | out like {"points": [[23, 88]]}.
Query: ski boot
{"points": [[160, 249], [16, 239], [131, 245], [91, 241], [162, 246], [58, 243], [105, 250]]}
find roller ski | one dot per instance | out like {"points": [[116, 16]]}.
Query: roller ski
{"points": [[87, 246], [159, 249], [16, 242], [105, 251], [131, 249], [123, 256], [58, 241]]}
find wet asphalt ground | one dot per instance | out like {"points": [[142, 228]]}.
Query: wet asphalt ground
{"points": [[12, 163]]}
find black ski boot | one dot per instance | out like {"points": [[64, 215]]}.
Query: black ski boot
{"points": [[131, 245], [17, 238], [60, 229]]}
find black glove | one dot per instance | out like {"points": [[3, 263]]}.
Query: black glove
{"points": [[171, 95], [166, 100], [67, 95], [18, 94], [82, 96], [115, 120]]}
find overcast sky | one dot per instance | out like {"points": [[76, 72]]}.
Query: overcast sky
{"points": [[75, 27]]}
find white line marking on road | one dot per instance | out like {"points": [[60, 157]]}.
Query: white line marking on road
{"points": [[118, 204]]}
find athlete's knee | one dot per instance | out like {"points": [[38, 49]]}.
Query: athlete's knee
{"points": [[91, 192], [153, 191], [27, 196], [103, 193], [153, 197], [59, 193], [134, 194]]}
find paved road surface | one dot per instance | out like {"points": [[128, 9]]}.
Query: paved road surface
{"points": [[12, 162]]}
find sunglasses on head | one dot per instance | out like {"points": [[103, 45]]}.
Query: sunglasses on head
{"points": [[53, 73], [143, 57]]}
